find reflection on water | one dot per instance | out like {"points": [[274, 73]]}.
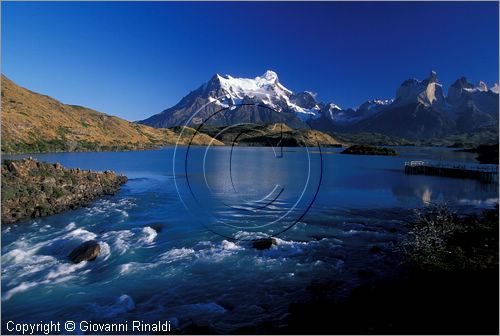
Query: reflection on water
{"points": [[159, 262], [426, 196], [249, 190]]}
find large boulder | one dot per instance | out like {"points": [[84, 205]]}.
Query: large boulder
{"points": [[87, 251], [263, 243]]}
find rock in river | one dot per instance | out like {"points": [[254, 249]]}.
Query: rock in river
{"points": [[86, 251], [263, 243]]}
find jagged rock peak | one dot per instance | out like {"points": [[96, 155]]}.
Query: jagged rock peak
{"points": [[495, 88], [462, 83], [482, 86], [433, 77]]}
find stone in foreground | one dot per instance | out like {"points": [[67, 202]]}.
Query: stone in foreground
{"points": [[87, 251], [263, 243]]}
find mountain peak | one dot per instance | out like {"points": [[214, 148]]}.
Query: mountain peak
{"points": [[461, 83], [494, 88], [270, 76], [433, 77], [426, 92], [482, 86]]}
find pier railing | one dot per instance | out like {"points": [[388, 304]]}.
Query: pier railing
{"points": [[488, 173]]}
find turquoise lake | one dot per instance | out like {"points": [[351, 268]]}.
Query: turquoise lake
{"points": [[176, 238]]}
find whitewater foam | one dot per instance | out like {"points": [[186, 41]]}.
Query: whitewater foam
{"points": [[80, 234], [124, 303], [119, 240], [149, 235], [64, 269], [177, 254]]}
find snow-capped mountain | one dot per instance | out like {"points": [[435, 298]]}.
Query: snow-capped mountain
{"points": [[227, 93], [495, 88], [419, 108]]}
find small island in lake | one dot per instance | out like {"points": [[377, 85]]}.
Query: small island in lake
{"points": [[33, 189], [369, 150]]}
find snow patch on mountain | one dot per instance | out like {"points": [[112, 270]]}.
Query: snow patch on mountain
{"points": [[263, 86], [465, 100], [480, 87], [350, 116], [495, 88], [265, 89]]}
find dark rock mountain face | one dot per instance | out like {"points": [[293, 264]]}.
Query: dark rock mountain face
{"points": [[304, 99], [420, 109], [474, 106], [409, 121]]}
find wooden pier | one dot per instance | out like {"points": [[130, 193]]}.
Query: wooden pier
{"points": [[487, 174]]}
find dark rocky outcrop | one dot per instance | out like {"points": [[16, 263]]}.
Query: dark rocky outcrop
{"points": [[33, 189], [487, 154], [87, 251], [369, 150], [376, 249], [263, 243]]}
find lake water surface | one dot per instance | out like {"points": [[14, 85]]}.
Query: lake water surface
{"points": [[175, 241]]}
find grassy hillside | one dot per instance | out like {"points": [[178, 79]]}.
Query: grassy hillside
{"points": [[32, 123], [485, 135], [271, 135]]}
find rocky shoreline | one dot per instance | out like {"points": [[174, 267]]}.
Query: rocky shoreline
{"points": [[33, 189], [369, 150]]}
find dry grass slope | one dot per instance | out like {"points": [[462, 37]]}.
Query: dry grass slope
{"points": [[32, 122], [271, 134]]}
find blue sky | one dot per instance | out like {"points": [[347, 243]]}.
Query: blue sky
{"points": [[134, 59]]}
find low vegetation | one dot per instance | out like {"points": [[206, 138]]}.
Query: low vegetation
{"points": [[485, 135], [372, 139], [33, 189], [271, 135], [440, 240], [35, 123]]}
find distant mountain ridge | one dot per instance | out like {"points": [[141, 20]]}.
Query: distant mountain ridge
{"points": [[34, 123], [419, 109]]}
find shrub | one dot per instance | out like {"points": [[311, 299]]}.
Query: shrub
{"points": [[441, 240], [57, 193]]}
